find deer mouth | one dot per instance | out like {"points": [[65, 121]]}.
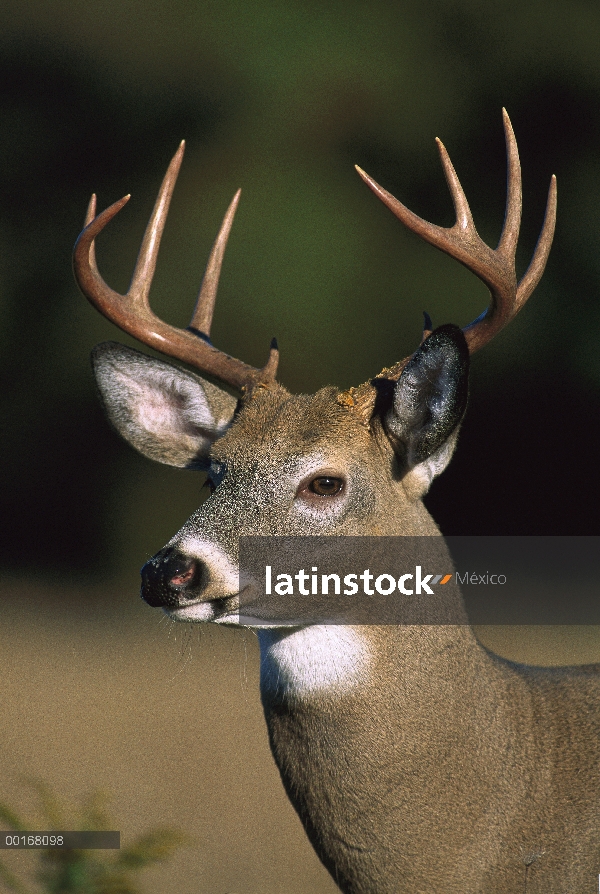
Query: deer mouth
{"points": [[203, 609], [230, 610]]}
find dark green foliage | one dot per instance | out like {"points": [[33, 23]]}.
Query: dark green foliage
{"points": [[85, 871]]}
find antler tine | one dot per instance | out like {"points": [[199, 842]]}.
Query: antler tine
{"points": [[464, 218], [203, 312], [132, 313], [90, 214], [509, 237], [537, 265], [91, 210], [145, 265]]}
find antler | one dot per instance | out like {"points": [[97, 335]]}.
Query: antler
{"points": [[132, 313], [496, 268]]}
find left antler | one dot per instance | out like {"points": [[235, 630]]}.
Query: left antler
{"points": [[132, 313]]}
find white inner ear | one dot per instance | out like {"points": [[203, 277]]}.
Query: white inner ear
{"points": [[167, 406], [418, 481], [167, 414]]}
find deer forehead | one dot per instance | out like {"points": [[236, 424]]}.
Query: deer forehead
{"points": [[281, 426]]}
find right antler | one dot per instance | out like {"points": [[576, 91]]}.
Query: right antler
{"points": [[131, 312], [496, 268]]}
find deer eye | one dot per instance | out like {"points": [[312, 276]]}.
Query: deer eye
{"points": [[215, 475], [326, 486]]}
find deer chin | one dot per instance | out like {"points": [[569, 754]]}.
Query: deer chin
{"points": [[214, 606], [225, 611], [199, 612]]}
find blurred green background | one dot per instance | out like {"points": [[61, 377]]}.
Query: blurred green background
{"points": [[283, 99]]}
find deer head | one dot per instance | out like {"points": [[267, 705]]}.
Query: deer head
{"points": [[351, 462]]}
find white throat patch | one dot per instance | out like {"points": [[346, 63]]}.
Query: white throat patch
{"points": [[310, 660]]}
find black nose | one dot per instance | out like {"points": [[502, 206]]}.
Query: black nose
{"points": [[169, 578]]}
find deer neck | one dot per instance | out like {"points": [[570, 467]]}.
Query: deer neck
{"points": [[359, 712]]}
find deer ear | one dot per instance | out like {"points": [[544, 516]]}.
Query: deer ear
{"points": [[429, 401], [166, 413]]}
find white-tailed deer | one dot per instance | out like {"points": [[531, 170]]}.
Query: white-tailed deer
{"points": [[417, 760]]}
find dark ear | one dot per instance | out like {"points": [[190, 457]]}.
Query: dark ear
{"points": [[166, 413], [429, 401]]}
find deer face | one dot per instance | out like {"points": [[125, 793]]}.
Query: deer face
{"points": [[282, 464]]}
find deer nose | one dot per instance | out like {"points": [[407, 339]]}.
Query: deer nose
{"points": [[168, 577]]}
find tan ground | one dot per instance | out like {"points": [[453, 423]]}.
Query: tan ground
{"points": [[167, 720]]}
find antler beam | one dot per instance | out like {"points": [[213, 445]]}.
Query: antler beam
{"points": [[132, 313]]}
